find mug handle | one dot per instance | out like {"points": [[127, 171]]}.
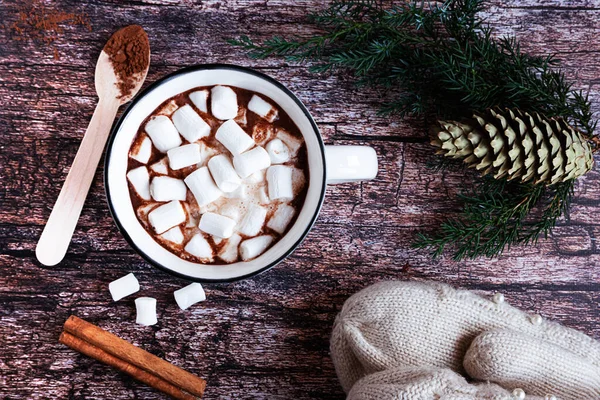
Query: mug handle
{"points": [[350, 163]]}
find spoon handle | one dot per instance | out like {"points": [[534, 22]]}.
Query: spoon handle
{"points": [[55, 239]]}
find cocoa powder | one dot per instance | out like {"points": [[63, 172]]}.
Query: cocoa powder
{"points": [[128, 50], [39, 23]]}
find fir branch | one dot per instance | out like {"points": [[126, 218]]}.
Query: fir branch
{"points": [[448, 63]]}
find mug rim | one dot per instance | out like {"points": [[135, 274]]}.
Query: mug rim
{"points": [[153, 86]]}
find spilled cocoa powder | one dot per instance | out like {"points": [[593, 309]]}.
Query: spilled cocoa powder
{"points": [[128, 50], [35, 21]]}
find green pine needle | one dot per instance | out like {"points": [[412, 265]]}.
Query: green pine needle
{"points": [[440, 60]]}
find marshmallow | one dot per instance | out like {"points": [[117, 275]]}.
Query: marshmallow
{"points": [[234, 138], [263, 197], [292, 142], [161, 166], [223, 173], [253, 221], [198, 246], [223, 102], [168, 108], [199, 98], [229, 252], [165, 188], [230, 211], [251, 161], [140, 180], [254, 247], [142, 152], [281, 218], [217, 225], [191, 221], [123, 287], [166, 216], [262, 108], [240, 193], [202, 186], [189, 124], [189, 295], [163, 133], [279, 179], [184, 156], [211, 207], [173, 235], [207, 152], [262, 132], [241, 117], [146, 311], [142, 211], [257, 177], [298, 179], [278, 151]]}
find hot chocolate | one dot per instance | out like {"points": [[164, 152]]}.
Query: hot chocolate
{"points": [[217, 174]]}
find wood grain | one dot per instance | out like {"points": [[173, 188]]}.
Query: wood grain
{"points": [[266, 337]]}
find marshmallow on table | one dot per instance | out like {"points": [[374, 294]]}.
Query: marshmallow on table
{"points": [[279, 180], [199, 98], [281, 218], [198, 246], [292, 142], [161, 166], [203, 186], [165, 188], [262, 108], [184, 156], [223, 173], [166, 216], [123, 287], [189, 295], [251, 161], [140, 180], [142, 152], [278, 151], [252, 248], [163, 133], [216, 225], [253, 221], [223, 102], [173, 235], [233, 137], [191, 126], [146, 311], [229, 252]]}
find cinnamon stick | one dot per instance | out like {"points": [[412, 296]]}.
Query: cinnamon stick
{"points": [[145, 377], [131, 354]]}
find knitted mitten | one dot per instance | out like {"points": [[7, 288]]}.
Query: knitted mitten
{"points": [[424, 383], [404, 324]]}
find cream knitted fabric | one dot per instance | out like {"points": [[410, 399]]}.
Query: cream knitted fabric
{"points": [[423, 383], [394, 325]]}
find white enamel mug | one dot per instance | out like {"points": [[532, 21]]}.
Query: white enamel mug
{"points": [[326, 165]]}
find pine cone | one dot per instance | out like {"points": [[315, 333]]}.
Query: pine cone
{"points": [[514, 144]]}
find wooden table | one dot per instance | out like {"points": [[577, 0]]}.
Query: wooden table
{"points": [[266, 337]]}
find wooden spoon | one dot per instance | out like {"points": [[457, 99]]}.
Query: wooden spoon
{"points": [[55, 238]]}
